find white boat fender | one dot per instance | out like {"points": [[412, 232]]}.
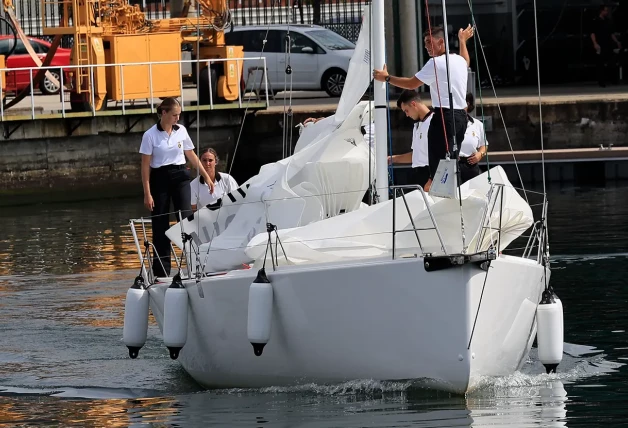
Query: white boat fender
{"points": [[549, 334], [135, 317], [175, 317], [260, 312]]}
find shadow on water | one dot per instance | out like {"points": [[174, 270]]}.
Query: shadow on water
{"points": [[64, 271]]}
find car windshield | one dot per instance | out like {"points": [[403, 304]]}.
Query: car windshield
{"points": [[331, 40]]}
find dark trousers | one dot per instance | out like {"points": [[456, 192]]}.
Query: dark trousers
{"points": [[467, 171], [420, 175], [436, 147], [604, 63], [171, 182]]}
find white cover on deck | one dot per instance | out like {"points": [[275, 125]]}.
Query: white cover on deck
{"points": [[367, 232], [326, 177]]}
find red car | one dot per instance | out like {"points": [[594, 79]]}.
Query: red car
{"points": [[18, 80]]}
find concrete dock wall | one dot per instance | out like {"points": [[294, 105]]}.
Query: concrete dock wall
{"points": [[62, 159]]}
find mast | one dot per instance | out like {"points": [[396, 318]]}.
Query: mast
{"points": [[453, 121], [451, 97], [379, 90]]}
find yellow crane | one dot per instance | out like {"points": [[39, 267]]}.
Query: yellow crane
{"points": [[116, 32]]}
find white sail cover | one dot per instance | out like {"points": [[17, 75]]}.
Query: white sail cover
{"points": [[368, 232], [327, 175], [360, 71]]}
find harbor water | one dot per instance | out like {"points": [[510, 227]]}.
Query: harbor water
{"points": [[65, 269]]}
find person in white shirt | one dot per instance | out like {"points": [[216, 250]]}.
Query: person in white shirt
{"points": [[473, 147], [434, 74], [165, 147], [410, 102], [223, 183]]}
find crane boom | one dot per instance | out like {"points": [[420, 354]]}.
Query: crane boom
{"points": [[9, 8]]}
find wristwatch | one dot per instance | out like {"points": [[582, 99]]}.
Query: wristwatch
{"points": [[388, 78]]}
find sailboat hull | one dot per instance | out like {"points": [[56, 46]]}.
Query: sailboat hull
{"points": [[374, 319]]}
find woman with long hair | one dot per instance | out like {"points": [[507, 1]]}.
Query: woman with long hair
{"points": [[165, 147], [202, 194]]}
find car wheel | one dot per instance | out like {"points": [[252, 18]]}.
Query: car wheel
{"points": [[334, 82], [47, 87]]}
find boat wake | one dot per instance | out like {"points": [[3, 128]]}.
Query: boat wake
{"points": [[579, 362]]}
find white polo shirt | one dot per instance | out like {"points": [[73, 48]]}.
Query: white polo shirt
{"points": [[419, 142], [166, 149], [457, 71], [223, 184], [473, 138]]}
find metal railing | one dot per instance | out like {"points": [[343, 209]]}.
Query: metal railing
{"points": [[144, 255], [400, 189], [190, 96], [487, 216], [495, 196], [340, 16]]}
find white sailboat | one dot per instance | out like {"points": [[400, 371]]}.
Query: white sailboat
{"points": [[327, 289]]}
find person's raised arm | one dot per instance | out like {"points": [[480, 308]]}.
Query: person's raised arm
{"points": [[463, 36], [400, 82]]}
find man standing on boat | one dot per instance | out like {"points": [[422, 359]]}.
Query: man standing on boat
{"points": [[410, 102], [604, 42], [434, 74]]}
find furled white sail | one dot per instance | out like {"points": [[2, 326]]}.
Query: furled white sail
{"points": [[360, 71]]}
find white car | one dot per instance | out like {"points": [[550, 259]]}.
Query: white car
{"points": [[319, 58]]}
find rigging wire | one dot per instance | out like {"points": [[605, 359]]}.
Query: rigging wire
{"points": [[479, 81], [371, 98], [451, 107], [545, 247], [235, 150], [538, 76], [501, 114], [442, 117], [198, 117], [391, 177], [287, 101]]}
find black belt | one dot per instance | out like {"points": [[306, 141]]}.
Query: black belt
{"points": [[448, 110], [169, 167], [463, 159]]}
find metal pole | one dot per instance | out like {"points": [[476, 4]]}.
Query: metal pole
{"points": [[61, 93], [209, 76], [379, 90], [515, 32], [420, 43], [122, 87], [451, 97], [150, 82], [409, 36], [1, 100], [181, 85], [30, 75]]}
